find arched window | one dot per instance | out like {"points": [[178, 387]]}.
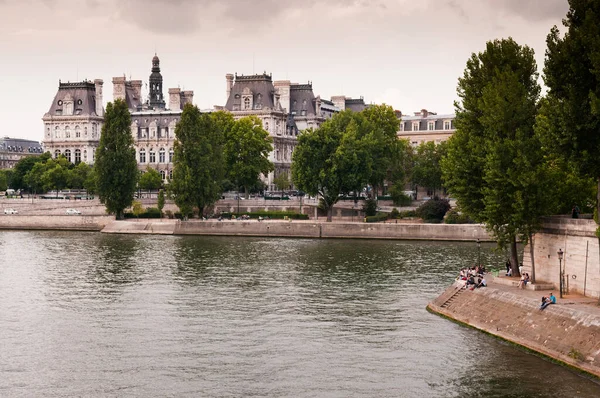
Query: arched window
{"points": [[247, 103], [162, 174], [152, 156], [171, 155], [67, 132], [85, 131], [68, 154], [161, 156], [85, 155], [266, 126], [56, 154], [56, 132], [77, 132], [77, 156], [142, 155]]}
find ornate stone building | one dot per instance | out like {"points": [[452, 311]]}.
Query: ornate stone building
{"points": [[153, 124], [285, 109], [14, 149], [73, 123]]}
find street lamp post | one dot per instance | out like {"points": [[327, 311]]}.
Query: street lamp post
{"points": [[560, 274], [478, 252]]}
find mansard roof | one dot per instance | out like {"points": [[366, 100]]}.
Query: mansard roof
{"points": [[302, 98], [83, 95], [356, 104], [259, 86]]}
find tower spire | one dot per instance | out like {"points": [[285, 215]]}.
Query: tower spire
{"points": [[157, 100]]}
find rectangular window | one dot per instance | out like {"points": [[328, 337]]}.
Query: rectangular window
{"points": [[152, 157], [415, 126], [142, 157], [431, 126], [447, 125], [401, 126], [161, 157]]}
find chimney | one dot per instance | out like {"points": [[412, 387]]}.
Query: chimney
{"points": [[118, 88], [424, 113], [98, 83], [339, 101], [187, 97], [282, 87], [175, 99], [137, 89], [229, 79]]}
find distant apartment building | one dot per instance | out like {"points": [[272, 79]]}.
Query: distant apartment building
{"points": [[285, 109], [426, 126], [73, 123], [14, 149]]}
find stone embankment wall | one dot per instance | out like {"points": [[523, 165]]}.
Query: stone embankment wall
{"points": [[566, 334], [304, 229], [581, 259], [55, 222]]}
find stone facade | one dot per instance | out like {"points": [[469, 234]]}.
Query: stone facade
{"points": [[14, 149], [285, 109], [426, 126], [152, 122], [73, 123]]}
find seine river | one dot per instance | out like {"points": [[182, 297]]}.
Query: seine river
{"points": [[94, 315]]}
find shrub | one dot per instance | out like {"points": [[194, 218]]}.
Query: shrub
{"points": [[454, 216], [433, 210], [377, 218], [169, 214], [407, 214], [394, 213], [370, 207]]}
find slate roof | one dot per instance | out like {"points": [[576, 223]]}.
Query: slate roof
{"points": [[302, 98], [83, 95], [355, 104], [261, 87], [8, 144]]}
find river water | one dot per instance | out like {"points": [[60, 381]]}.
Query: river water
{"points": [[89, 314]]}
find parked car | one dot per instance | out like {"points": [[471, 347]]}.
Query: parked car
{"points": [[73, 212], [10, 211]]}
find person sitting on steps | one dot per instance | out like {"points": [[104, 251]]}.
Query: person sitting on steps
{"points": [[524, 281], [547, 301]]}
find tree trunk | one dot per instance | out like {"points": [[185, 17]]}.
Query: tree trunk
{"points": [[532, 276], [514, 257], [329, 213], [120, 215]]}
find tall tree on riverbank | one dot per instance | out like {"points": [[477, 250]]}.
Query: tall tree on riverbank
{"points": [[493, 166], [115, 166], [572, 74], [247, 149], [427, 170], [198, 161]]}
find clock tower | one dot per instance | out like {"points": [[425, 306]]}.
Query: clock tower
{"points": [[157, 100]]}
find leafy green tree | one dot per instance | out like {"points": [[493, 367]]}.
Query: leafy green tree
{"points": [[433, 210], [494, 163], [151, 179], [572, 74], [400, 169], [3, 180], [56, 174], [282, 182], [90, 183], [382, 138], [22, 167], [161, 201], [427, 171], [78, 175], [116, 166], [33, 178], [198, 161], [246, 150]]}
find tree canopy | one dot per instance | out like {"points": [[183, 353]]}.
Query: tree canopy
{"points": [[150, 179], [572, 74], [427, 169], [246, 151], [198, 164], [493, 166], [116, 167]]}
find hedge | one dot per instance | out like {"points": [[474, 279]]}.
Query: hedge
{"points": [[377, 218], [151, 212]]}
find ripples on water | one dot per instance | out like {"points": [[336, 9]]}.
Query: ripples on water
{"points": [[88, 314]]}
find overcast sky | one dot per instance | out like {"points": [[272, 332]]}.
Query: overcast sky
{"points": [[405, 53]]}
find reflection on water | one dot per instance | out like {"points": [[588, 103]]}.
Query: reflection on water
{"points": [[116, 315]]}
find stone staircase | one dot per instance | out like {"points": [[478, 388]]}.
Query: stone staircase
{"points": [[451, 295]]}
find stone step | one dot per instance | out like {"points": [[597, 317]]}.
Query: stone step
{"points": [[510, 281]]}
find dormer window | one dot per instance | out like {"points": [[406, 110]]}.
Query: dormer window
{"points": [[447, 124], [401, 126], [430, 126], [415, 126], [246, 103]]}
